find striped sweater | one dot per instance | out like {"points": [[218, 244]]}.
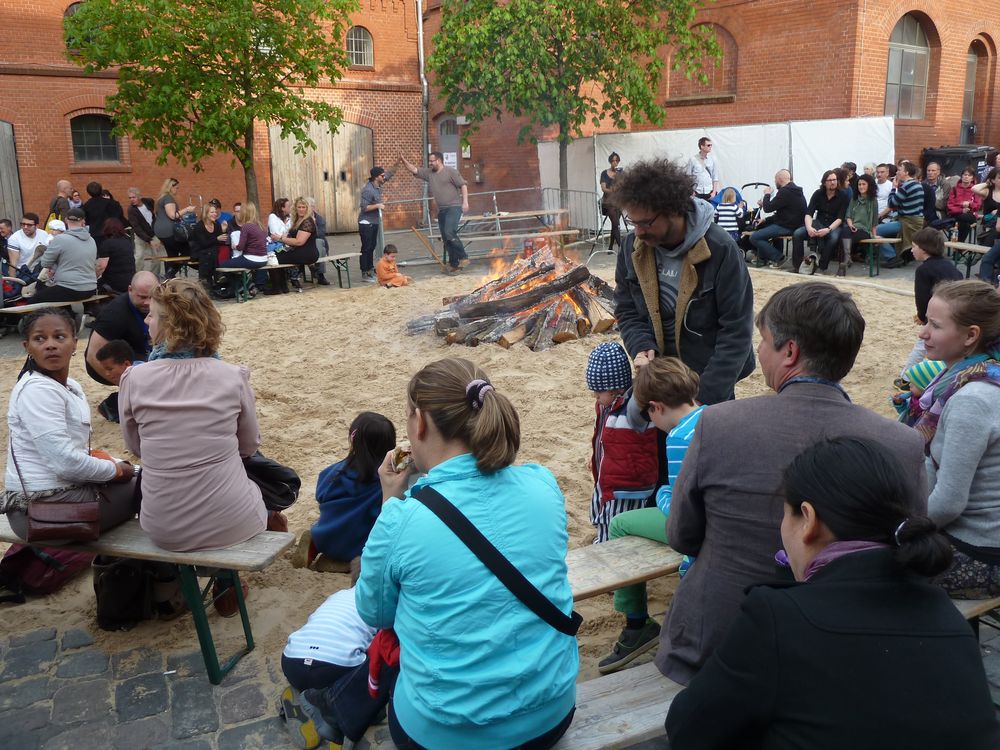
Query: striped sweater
{"points": [[908, 199]]}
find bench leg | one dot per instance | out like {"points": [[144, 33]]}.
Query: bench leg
{"points": [[196, 603]]}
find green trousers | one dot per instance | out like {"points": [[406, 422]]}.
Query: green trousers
{"points": [[646, 522]]}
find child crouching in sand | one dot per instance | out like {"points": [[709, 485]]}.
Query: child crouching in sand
{"points": [[386, 271]]}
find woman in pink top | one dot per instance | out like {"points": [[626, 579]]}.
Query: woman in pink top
{"points": [[191, 417]]}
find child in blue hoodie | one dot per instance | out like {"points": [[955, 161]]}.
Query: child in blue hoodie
{"points": [[349, 493]]}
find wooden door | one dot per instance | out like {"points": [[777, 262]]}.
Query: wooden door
{"points": [[333, 173], [10, 182]]}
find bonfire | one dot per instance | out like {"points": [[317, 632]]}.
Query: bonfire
{"points": [[540, 300]]}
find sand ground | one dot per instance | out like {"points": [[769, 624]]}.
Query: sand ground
{"points": [[320, 358]]}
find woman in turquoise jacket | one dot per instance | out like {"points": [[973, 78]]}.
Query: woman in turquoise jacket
{"points": [[477, 667]]}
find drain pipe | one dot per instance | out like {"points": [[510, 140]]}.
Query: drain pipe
{"points": [[425, 104]]}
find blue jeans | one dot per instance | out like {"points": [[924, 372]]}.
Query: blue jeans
{"points": [[761, 241], [827, 246], [888, 229], [259, 278], [988, 265], [454, 250]]}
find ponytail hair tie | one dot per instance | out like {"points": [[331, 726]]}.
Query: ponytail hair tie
{"points": [[899, 528], [475, 391]]}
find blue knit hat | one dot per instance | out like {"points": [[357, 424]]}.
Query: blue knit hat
{"points": [[609, 368]]}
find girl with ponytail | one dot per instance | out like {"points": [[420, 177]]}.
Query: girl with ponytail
{"points": [[477, 667], [864, 651]]}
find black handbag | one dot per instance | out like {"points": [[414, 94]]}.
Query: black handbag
{"points": [[279, 484], [182, 232], [499, 565]]}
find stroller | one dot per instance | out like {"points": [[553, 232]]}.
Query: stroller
{"points": [[748, 195]]}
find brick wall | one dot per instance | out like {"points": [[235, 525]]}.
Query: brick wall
{"points": [[798, 60], [40, 90]]}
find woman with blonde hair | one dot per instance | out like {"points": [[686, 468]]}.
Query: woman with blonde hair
{"points": [[167, 214], [192, 418], [300, 240], [478, 668]]}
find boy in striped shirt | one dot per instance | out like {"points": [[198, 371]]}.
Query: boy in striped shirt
{"points": [[665, 390]]}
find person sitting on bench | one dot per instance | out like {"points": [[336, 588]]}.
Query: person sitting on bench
{"points": [[75, 252], [863, 651], [192, 418]]}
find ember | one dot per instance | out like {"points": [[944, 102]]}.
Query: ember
{"points": [[541, 300]]}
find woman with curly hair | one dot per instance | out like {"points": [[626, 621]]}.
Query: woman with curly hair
{"points": [[191, 417]]}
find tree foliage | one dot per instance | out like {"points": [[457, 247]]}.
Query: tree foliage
{"points": [[563, 63], [193, 75]]}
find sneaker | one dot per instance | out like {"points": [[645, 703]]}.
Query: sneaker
{"points": [[842, 269], [631, 643], [758, 263], [808, 266], [312, 703], [901, 384], [368, 277], [300, 727], [776, 264]]}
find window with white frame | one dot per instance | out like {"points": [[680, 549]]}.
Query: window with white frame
{"points": [[909, 65], [360, 50]]}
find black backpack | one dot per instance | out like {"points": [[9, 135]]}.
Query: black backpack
{"points": [[124, 590]]}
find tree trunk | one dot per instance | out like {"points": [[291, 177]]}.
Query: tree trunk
{"points": [[250, 172], [563, 163]]}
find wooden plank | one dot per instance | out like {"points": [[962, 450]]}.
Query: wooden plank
{"points": [[967, 247], [129, 540], [10, 179], [614, 711], [501, 236], [971, 608], [25, 309], [599, 568], [518, 214], [342, 256], [428, 245]]}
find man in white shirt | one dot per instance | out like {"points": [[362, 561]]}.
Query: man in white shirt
{"points": [[888, 226], [21, 245], [703, 169], [140, 217]]}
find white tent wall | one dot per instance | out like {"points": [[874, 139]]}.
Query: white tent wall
{"points": [[819, 145], [745, 153], [582, 208]]}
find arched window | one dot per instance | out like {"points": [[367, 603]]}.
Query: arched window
{"points": [[360, 50], [909, 66], [448, 126], [93, 139], [720, 73]]}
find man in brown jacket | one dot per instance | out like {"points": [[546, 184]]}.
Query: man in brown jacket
{"points": [[727, 505]]}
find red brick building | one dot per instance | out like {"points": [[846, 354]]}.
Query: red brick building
{"points": [[930, 65], [52, 117]]}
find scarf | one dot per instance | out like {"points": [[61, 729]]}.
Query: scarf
{"points": [[835, 551], [977, 368], [160, 351]]}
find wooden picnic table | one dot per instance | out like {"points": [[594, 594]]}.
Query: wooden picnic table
{"points": [[967, 253]]}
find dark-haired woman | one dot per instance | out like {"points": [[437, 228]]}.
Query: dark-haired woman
{"points": [[115, 258], [964, 203], [860, 220], [49, 423], [608, 208], [478, 669], [862, 652], [349, 493]]}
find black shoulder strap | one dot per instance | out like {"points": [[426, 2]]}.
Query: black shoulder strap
{"points": [[499, 565]]}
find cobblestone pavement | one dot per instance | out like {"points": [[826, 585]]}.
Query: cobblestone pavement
{"points": [[60, 692]]}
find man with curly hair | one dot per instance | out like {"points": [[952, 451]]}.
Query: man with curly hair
{"points": [[682, 288]]}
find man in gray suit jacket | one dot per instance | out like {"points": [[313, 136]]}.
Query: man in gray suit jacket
{"points": [[727, 505]]}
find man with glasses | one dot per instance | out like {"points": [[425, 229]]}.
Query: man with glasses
{"points": [[21, 245], [703, 169], [682, 288]]}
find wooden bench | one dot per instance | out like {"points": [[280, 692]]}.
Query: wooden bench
{"points": [[600, 568], [341, 263], [79, 308], [872, 256], [129, 540], [967, 253], [786, 244], [973, 609], [614, 711]]}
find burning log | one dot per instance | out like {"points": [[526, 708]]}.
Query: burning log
{"points": [[541, 301]]}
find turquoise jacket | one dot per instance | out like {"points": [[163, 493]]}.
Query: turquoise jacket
{"points": [[477, 667]]}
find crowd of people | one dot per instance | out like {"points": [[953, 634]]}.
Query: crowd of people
{"points": [[847, 636]]}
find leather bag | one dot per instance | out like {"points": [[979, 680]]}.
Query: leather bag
{"points": [[71, 515]]}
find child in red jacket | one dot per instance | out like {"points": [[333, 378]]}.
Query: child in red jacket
{"points": [[623, 462]]}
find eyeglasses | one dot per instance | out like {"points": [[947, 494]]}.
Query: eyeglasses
{"points": [[28, 224], [641, 223]]}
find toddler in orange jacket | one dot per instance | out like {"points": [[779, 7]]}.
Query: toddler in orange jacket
{"points": [[387, 273]]}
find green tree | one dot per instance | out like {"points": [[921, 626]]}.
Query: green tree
{"points": [[563, 63], [194, 75]]}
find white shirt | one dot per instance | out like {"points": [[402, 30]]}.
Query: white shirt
{"points": [[146, 213], [24, 246], [49, 426], [334, 633], [704, 173], [884, 189], [278, 226]]}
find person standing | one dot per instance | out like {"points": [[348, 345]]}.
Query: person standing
{"points": [[682, 288], [98, 209], [607, 207], [140, 218], [369, 219], [59, 205], [704, 170], [451, 193]]}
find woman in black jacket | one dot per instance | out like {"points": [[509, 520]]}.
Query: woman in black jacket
{"points": [[204, 243], [863, 652], [115, 258]]}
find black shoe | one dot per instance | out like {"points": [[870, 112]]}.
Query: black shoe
{"points": [[893, 263], [321, 280]]}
